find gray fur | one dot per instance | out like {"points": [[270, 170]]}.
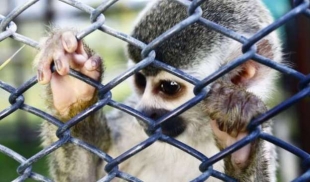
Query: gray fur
{"points": [[243, 16], [119, 131]]}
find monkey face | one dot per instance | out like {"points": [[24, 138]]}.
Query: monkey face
{"points": [[159, 95]]}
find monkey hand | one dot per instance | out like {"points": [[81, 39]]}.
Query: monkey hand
{"points": [[63, 48], [231, 108]]}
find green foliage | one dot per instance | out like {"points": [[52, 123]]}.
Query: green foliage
{"points": [[26, 149]]}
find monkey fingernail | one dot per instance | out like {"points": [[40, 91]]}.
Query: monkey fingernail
{"points": [[69, 42], [40, 76], [68, 45], [58, 64], [94, 63], [221, 126], [234, 133]]}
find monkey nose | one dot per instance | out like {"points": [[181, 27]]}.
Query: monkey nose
{"points": [[154, 113], [154, 116]]}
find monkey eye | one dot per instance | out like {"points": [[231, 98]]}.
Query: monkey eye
{"points": [[169, 87], [140, 80]]}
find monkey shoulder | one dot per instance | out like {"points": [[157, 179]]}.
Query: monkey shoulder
{"points": [[124, 128]]}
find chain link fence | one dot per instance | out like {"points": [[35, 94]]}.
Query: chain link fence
{"points": [[97, 22]]}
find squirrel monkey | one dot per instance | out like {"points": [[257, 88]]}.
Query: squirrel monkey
{"points": [[217, 122]]}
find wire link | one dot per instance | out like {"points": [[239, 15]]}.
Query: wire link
{"points": [[97, 22]]}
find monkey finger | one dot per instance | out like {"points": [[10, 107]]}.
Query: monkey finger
{"points": [[77, 61], [93, 67], [42, 62], [93, 63], [80, 49], [240, 158], [219, 134], [62, 64], [69, 41], [44, 73]]}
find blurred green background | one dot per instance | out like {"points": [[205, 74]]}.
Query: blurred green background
{"points": [[20, 130]]}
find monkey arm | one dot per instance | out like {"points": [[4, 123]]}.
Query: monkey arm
{"points": [[65, 97], [71, 162], [231, 108]]}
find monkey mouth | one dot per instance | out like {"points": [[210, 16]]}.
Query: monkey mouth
{"points": [[173, 127]]}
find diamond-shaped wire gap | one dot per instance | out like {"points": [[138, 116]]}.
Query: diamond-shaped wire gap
{"points": [[17, 99], [82, 115], [193, 152], [104, 156], [225, 69], [134, 150], [6, 24], [279, 67], [104, 28], [170, 32], [129, 72], [44, 152], [101, 8], [279, 108], [179, 73], [131, 111], [11, 28], [288, 147], [16, 12], [19, 102], [79, 5], [17, 157], [184, 107], [23, 88], [222, 154], [14, 106], [276, 24]]}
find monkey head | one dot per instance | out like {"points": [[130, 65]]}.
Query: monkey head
{"points": [[198, 51], [160, 94]]}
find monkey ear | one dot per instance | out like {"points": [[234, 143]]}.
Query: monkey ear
{"points": [[252, 72]]}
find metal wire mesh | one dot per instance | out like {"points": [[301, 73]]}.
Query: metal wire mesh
{"points": [[8, 30]]}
